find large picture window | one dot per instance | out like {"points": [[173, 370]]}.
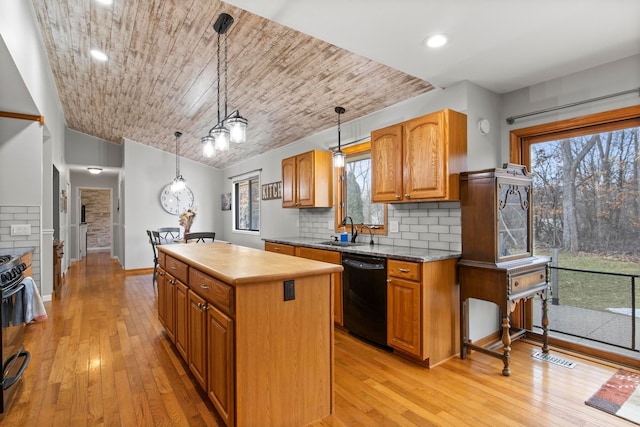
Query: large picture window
{"points": [[246, 203]]}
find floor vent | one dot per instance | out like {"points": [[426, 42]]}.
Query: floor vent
{"points": [[553, 359]]}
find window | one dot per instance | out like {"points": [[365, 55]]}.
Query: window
{"points": [[246, 204], [353, 195], [586, 216]]}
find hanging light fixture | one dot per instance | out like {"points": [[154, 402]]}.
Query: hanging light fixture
{"points": [[178, 183], [339, 156], [230, 127]]}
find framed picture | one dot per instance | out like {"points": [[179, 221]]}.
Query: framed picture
{"points": [[272, 191], [226, 201]]}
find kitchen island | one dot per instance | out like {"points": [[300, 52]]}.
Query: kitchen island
{"points": [[254, 327]]}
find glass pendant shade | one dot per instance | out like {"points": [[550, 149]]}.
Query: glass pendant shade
{"points": [[178, 183], [237, 129], [221, 136], [338, 159], [208, 148]]}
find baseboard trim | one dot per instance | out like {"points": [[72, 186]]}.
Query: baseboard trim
{"points": [[138, 271]]}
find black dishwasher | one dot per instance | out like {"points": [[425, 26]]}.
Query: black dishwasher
{"points": [[364, 294]]}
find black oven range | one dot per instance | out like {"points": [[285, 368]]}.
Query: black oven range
{"points": [[12, 353]]}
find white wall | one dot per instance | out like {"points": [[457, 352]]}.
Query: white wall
{"points": [[21, 36], [83, 149], [146, 171], [607, 79]]}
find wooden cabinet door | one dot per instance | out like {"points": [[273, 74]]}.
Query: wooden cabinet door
{"points": [[403, 316], [170, 305], [306, 179], [182, 309], [424, 158], [197, 320], [221, 364], [386, 164], [162, 300], [289, 182]]}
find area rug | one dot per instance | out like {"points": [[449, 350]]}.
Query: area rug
{"points": [[619, 396]]}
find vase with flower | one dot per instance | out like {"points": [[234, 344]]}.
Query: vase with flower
{"points": [[186, 219]]}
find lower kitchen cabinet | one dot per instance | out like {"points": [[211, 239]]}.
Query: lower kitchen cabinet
{"points": [[232, 337], [197, 331], [423, 310], [220, 363], [181, 315], [404, 314]]}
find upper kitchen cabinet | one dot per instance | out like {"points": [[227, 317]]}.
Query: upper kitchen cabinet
{"points": [[307, 180], [420, 159]]}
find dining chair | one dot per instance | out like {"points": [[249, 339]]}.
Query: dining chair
{"points": [[154, 239], [201, 236], [169, 234]]}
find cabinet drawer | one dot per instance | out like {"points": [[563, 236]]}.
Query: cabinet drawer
{"points": [[523, 282], [279, 248], [403, 269], [332, 257], [176, 268], [212, 290], [162, 259]]}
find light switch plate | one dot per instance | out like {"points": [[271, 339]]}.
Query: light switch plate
{"points": [[393, 226], [21, 229]]}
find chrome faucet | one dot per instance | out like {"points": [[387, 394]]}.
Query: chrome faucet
{"points": [[354, 231]]}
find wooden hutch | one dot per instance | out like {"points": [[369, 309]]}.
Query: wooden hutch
{"points": [[497, 262]]}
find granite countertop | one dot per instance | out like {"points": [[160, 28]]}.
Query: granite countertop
{"points": [[388, 251], [17, 252]]}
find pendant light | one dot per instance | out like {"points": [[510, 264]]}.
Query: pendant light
{"points": [[339, 156], [178, 183], [232, 127]]}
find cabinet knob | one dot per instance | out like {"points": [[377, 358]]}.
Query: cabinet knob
{"points": [[204, 286], [542, 276], [516, 284], [276, 249], [407, 196], [397, 197], [403, 270]]}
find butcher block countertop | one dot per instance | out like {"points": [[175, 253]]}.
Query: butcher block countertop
{"points": [[240, 265]]}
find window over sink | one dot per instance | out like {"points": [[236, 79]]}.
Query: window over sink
{"points": [[353, 192]]}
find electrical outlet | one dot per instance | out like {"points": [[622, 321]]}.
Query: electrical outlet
{"points": [[393, 226], [289, 290], [21, 229]]}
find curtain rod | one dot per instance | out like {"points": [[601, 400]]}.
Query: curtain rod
{"points": [[245, 173], [512, 119]]}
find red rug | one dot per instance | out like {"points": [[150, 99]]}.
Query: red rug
{"points": [[619, 396]]}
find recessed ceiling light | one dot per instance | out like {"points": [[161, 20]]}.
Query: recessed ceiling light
{"points": [[94, 171], [99, 55], [436, 40], [105, 2]]}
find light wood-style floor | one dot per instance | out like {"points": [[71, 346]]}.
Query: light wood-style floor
{"points": [[101, 359]]}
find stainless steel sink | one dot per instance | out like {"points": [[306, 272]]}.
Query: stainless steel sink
{"points": [[340, 244]]}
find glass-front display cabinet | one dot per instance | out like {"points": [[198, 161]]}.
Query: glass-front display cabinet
{"points": [[497, 262]]}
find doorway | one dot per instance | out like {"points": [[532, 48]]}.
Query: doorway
{"points": [[96, 216]]}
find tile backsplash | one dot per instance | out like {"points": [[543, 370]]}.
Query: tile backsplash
{"points": [[10, 215], [429, 225]]}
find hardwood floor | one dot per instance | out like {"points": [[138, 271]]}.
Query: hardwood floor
{"points": [[101, 359]]}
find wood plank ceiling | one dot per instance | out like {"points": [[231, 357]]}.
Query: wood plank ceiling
{"points": [[161, 75]]}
